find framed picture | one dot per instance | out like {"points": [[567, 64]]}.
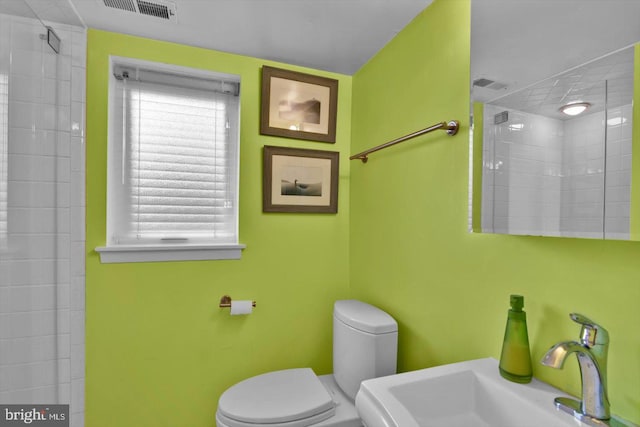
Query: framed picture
{"points": [[298, 180], [297, 105]]}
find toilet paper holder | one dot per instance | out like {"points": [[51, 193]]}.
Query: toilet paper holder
{"points": [[225, 302]]}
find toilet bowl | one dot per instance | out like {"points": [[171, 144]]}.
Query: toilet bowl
{"points": [[364, 346]]}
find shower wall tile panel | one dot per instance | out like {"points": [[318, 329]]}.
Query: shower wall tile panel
{"points": [[42, 221], [583, 182], [522, 173], [542, 174], [618, 173], [592, 187]]}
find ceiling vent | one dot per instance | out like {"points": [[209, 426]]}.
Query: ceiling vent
{"points": [[489, 84], [157, 8]]}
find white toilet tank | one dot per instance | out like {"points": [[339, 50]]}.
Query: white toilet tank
{"points": [[365, 342]]}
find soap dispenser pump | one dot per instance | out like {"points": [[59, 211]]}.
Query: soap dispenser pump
{"points": [[515, 360]]}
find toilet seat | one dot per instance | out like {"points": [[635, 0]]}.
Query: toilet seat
{"points": [[288, 398]]}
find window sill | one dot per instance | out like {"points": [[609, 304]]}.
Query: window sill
{"points": [[162, 253]]}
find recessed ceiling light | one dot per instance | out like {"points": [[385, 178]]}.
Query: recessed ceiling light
{"points": [[575, 108]]}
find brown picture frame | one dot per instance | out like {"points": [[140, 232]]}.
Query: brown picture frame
{"points": [[299, 180], [298, 105]]}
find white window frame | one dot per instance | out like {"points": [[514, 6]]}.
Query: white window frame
{"points": [[172, 251]]}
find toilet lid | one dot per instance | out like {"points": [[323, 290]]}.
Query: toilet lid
{"points": [[277, 397]]}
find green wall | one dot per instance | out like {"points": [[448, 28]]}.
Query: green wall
{"points": [[159, 350], [411, 253], [635, 167]]}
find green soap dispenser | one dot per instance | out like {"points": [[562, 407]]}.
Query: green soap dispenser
{"points": [[515, 360]]}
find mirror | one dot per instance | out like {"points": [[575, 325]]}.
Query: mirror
{"points": [[537, 170]]}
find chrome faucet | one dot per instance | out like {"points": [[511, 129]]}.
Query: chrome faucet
{"points": [[592, 358]]}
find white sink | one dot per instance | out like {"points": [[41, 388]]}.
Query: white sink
{"points": [[466, 394]]}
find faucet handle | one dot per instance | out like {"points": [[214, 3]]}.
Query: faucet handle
{"points": [[591, 333]]}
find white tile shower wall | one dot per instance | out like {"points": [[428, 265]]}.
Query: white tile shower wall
{"points": [[583, 170], [490, 168], [42, 204], [618, 173], [592, 188], [547, 175], [522, 173]]}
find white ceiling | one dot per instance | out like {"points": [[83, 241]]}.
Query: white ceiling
{"points": [[516, 42], [521, 42], [606, 82], [59, 11], [332, 35]]}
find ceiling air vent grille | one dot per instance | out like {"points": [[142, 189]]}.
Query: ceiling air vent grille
{"points": [[162, 9], [121, 4], [479, 82], [489, 84], [154, 9]]}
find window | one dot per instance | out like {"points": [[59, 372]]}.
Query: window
{"points": [[173, 164]]}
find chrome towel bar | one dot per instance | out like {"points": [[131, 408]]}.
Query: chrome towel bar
{"points": [[450, 127]]}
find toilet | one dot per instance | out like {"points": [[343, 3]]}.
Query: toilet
{"points": [[365, 342]]}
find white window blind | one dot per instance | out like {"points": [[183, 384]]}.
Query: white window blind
{"points": [[174, 146]]}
